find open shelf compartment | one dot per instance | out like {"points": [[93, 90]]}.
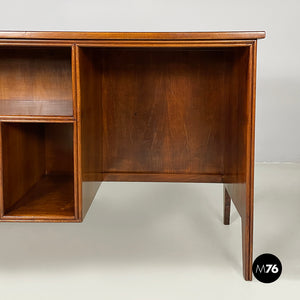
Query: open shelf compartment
{"points": [[164, 114], [35, 81], [37, 171]]}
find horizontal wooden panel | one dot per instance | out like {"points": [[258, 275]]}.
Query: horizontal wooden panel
{"points": [[217, 178], [37, 119], [163, 110], [37, 107], [51, 197], [220, 35], [161, 177]]}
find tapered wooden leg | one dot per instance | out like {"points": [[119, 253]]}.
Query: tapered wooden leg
{"points": [[227, 205], [242, 198], [247, 248]]}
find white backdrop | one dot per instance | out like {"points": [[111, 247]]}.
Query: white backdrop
{"points": [[278, 85]]}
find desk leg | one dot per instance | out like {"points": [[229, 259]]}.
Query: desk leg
{"points": [[227, 206], [242, 200]]}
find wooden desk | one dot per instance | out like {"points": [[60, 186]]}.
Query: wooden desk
{"points": [[78, 107]]}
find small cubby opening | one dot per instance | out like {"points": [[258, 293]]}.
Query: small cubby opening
{"points": [[36, 81], [38, 170]]}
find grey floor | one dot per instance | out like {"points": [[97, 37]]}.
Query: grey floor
{"points": [[157, 241]]}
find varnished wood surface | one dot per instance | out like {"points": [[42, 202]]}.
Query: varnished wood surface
{"points": [[89, 124], [127, 43], [76, 139], [125, 106], [59, 149], [36, 108], [241, 192], [23, 160], [160, 177], [31, 152], [226, 207], [230, 35], [146, 135], [35, 81], [36, 119], [161, 111], [235, 117], [89, 81], [50, 198]]}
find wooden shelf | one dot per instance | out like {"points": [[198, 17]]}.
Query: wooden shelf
{"points": [[36, 107], [50, 198]]}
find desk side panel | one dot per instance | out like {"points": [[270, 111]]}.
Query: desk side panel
{"points": [[241, 190], [89, 78]]}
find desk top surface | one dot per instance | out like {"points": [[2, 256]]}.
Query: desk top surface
{"points": [[71, 35]]}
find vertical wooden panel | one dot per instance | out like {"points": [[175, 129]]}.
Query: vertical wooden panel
{"points": [[35, 73], [162, 110], [23, 159], [89, 122], [90, 82], [241, 192], [236, 116], [59, 149]]}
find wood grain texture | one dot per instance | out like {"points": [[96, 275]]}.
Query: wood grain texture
{"points": [[161, 111], [50, 198], [59, 149], [226, 207], [154, 131], [90, 124], [36, 119], [230, 35], [125, 106], [91, 117], [241, 192], [37, 108], [20, 142], [163, 43], [36, 160], [35, 81], [160, 177], [76, 139]]}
